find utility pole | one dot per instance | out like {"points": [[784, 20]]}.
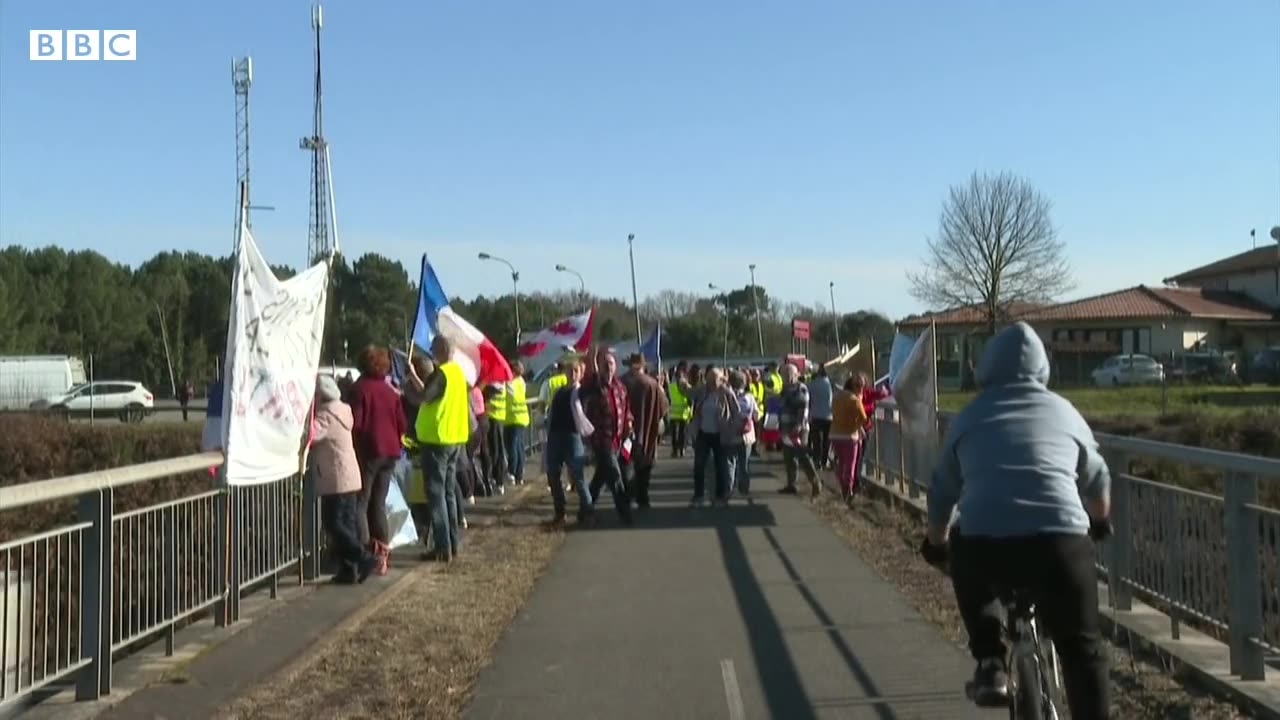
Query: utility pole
{"points": [[755, 300], [835, 318], [635, 298]]}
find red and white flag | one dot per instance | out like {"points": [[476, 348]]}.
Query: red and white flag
{"points": [[542, 349]]}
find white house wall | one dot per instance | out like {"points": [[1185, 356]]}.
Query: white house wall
{"points": [[1261, 285]]}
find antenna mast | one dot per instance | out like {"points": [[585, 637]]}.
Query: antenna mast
{"points": [[241, 80], [322, 228]]}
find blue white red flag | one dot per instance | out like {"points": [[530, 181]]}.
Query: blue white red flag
{"points": [[481, 361]]}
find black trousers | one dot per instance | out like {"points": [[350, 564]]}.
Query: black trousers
{"points": [[372, 501], [640, 484], [338, 517], [481, 454], [1058, 571], [679, 430], [497, 470], [820, 441]]}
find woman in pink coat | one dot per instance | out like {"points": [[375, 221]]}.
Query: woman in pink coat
{"points": [[337, 478]]}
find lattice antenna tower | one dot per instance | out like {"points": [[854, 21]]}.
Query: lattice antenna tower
{"points": [[322, 228], [241, 80]]}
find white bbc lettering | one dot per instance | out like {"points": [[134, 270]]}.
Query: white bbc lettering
{"points": [[84, 44], [119, 44], [46, 44]]}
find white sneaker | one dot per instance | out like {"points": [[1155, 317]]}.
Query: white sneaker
{"points": [[471, 500], [502, 489], [464, 523]]}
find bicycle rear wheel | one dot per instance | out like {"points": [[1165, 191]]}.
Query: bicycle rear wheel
{"points": [[1026, 699]]}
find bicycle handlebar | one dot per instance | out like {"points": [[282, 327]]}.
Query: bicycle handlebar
{"points": [[1100, 529]]}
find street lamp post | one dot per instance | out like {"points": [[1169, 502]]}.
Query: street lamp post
{"points": [[755, 301], [835, 318], [725, 305], [582, 284], [515, 289], [635, 297]]}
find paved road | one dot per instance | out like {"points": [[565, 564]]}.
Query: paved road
{"points": [[756, 611]]}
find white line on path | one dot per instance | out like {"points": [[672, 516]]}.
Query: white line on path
{"points": [[732, 694]]}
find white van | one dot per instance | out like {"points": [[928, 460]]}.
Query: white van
{"points": [[25, 379]]}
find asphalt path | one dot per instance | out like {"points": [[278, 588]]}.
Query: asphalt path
{"points": [[754, 611]]}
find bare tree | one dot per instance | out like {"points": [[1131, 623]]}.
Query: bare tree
{"points": [[996, 250], [669, 304]]}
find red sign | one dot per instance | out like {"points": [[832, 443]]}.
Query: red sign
{"points": [[800, 329]]}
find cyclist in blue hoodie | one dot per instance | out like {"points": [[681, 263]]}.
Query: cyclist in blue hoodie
{"points": [[1022, 468]]}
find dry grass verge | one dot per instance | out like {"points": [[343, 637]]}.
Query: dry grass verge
{"points": [[888, 539], [419, 654]]}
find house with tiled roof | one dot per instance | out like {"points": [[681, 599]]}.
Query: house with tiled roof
{"points": [[1230, 304]]}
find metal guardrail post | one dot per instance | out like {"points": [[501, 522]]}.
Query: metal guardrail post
{"points": [[222, 555], [1120, 545], [1244, 575], [310, 529], [170, 577], [875, 435], [235, 502], [275, 527], [95, 594], [1172, 543]]}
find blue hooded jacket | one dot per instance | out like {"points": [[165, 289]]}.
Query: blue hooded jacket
{"points": [[1017, 459]]}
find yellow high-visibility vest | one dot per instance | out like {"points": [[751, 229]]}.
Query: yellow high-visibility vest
{"points": [[554, 383], [757, 389], [447, 419], [774, 386], [518, 410], [497, 406], [681, 410]]}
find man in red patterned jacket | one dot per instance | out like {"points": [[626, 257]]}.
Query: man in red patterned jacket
{"points": [[605, 402]]}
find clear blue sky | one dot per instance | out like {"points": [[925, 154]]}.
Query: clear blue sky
{"points": [[721, 133]]}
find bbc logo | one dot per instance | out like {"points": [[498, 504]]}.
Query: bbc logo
{"points": [[84, 44]]}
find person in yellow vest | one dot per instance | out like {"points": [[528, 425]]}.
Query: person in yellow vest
{"points": [[681, 410], [495, 397], [557, 380], [517, 432], [443, 427], [772, 380], [755, 386]]}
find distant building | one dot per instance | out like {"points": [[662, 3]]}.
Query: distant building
{"points": [[1230, 304]]}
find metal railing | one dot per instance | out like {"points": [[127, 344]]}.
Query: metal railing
{"points": [[78, 596], [1212, 560]]}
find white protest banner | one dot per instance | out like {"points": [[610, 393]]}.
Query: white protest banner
{"points": [[274, 335]]}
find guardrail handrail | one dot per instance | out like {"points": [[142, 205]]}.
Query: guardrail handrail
{"points": [[69, 486], [1200, 557], [1268, 468], [120, 578]]}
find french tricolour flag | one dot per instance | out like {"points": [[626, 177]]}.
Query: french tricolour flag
{"points": [[480, 359]]}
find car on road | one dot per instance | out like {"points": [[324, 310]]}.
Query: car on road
{"points": [[1264, 367], [1213, 368], [1130, 369], [128, 400]]}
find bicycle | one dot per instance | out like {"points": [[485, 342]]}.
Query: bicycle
{"points": [[1035, 676]]}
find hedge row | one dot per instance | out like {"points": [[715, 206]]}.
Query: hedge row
{"points": [[35, 447], [1253, 432]]}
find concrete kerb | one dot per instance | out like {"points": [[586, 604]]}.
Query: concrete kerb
{"points": [[1205, 658], [150, 665]]}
